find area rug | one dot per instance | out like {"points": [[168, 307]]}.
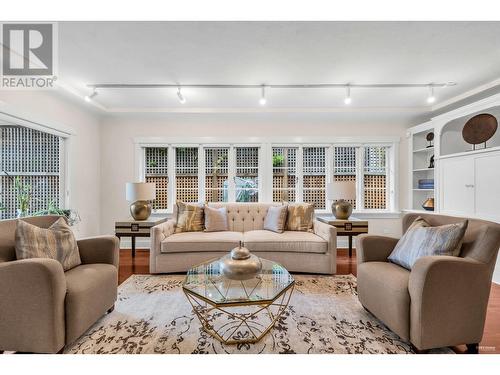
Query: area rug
{"points": [[324, 315]]}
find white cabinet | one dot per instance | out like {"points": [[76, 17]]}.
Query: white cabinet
{"points": [[470, 185], [457, 185], [487, 186]]}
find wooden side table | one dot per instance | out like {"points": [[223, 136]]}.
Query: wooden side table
{"points": [[137, 228], [349, 228]]}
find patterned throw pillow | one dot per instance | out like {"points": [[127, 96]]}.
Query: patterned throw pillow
{"points": [[275, 219], [300, 217], [189, 217], [421, 240], [57, 242], [216, 219]]}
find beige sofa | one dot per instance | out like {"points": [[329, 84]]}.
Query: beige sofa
{"points": [[311, 252], [43, 308], [442, 301]]}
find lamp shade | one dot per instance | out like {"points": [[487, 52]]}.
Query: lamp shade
{"points": [[140, 191], [340, 190]]}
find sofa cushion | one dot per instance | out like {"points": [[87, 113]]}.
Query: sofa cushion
{"points": [[189, 217], [288, 241], [383, 290], [300, 216], [215, 219], [90, 292], [421, 239], [201, 241], [276, 219]]}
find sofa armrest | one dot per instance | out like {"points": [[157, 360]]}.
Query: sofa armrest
{"points": [[32, 293], [449, 297], [100, 249], [370, 248], [328, 233], [158, 234]]}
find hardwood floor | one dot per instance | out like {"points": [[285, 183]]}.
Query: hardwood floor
{"points": [[345, 266]]}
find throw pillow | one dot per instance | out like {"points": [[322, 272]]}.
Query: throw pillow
{"points": [[300, 217], [216, 219], [421, 239], [275, 219], [56, 242], [189, 217]]}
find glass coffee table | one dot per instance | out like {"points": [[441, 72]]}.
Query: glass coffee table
{"points": [[235, 311]]}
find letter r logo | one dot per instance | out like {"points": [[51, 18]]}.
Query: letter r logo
{"points": [[27, 49]]}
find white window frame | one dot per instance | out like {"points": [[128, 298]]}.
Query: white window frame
{"points": [[265, 164]]}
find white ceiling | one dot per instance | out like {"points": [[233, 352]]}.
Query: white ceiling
{"points": [[277, 53]]}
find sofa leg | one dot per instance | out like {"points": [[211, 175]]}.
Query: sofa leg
{"points": [[418, 351], [61, 351], [473, 348], [111, 309]]}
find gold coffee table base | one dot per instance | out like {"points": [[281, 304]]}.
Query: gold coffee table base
{"points": [[239, 322]]}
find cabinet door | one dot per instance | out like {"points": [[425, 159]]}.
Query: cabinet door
{"points": [[457, 185], [487, 186]]}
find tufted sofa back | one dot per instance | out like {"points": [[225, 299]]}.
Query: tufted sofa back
{"points": [[244, 217]]}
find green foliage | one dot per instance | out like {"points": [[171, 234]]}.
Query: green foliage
{"points": [[278, 160]]}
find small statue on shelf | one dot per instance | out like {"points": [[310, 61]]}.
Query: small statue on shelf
{"points": [[431, 162], [429, 137]]}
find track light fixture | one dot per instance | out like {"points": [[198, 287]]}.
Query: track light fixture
{"points": [[347, 99], [182, 99], [262, 100], [431, 98], [88, 98]]}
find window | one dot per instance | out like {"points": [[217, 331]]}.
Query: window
{"points": [[261, 172], [32, 158], [156, 171], [285, 174], [216, 174], [247, 174], [375, 177], [186, 174], [314, 176]]}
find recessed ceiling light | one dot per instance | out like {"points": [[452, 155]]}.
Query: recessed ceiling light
{"points": [[347, 99], [263, 100]]}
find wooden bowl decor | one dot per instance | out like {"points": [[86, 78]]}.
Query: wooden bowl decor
{"points": [[479, 129]]}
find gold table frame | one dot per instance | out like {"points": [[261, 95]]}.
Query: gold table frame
{"points": [[243, 318]]}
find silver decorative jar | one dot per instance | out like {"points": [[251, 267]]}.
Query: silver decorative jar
{"points": [[341, 209], [240, 264]]}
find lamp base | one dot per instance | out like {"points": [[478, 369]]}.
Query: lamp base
{"points": [[140, 210], [341, 209]]}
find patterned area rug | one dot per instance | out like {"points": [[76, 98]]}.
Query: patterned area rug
{"points": [[152, 315]]}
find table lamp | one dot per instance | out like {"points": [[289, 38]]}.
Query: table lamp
{"points": [[140, 194], [339, 192]]}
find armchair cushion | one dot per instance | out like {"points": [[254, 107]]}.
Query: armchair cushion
{"points": [[56, 242], [423, 240], [91, 291]]}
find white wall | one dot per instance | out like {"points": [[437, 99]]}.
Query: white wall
{"points": [[118, 133], [49, 107]]}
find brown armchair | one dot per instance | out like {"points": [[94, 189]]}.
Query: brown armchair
{"points": [[43, 308], [442, 301]]}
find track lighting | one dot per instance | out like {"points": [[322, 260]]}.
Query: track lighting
{"points": [[182, 99], [262, 100], [88, 98], [347, 99], [431, 98]]}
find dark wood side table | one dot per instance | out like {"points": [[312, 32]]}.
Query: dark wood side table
{"points": [[137, 228], [349, 228]]}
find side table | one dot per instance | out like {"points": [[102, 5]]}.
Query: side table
{"points": [[350, 228], [137, 228]]}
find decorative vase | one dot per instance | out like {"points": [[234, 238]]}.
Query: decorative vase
{"points": [[140, 210], [240, 264], [341, 209], [428, 205]]}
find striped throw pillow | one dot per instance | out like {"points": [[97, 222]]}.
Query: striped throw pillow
{"points": [[421, 240], [56, 242]]}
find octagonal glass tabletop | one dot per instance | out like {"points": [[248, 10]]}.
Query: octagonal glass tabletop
{"points": [[208, 282]]}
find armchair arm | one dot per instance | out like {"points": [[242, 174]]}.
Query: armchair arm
{"points": [[449, 296], [32, 297], [328, 233], [100, 249], [370, 248], [158, 234]]}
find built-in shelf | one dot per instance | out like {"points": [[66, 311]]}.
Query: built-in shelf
{"points": [[423, 169], [424, 149], [423, 189]]}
